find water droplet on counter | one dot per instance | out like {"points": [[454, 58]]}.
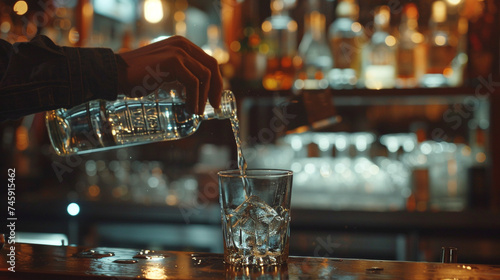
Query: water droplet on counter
{"points": [[91, 253], [197, 261], [196, 255], [468, 267], [148, 254], [374, 269], [125, 261], [149, 257]]}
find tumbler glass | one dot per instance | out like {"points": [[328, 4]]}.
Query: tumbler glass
{"points": [[255, 210]]}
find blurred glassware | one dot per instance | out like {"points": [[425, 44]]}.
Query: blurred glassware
{"points": [[335, 170], [298, 143], [137, 182], [341, 181], [444, 188], [448, 180], [325, 143], [398, 145], [269, 156]]}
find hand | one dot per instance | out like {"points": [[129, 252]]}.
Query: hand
{"points": [[176, 58]]}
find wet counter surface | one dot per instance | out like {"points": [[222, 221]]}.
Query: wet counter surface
{"points": [[67, 262]]}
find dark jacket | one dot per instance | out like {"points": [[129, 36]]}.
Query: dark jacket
{"points": [[38, 76]]}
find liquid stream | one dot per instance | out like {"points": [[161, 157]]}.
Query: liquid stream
{"points": [[242, 164], [257, 232]]}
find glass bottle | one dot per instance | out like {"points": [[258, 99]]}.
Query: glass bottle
{"points": [[346, 40], [101, 125], [280, 43], [379, 56], [316, 58], [441, 50], [409, 53]]}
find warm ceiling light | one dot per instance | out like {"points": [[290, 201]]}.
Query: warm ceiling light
{"points": [[454, 2], [153, 11], [21, 7]]}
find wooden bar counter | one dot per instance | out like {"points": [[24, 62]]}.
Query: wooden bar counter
{"points": [[68, 263]]}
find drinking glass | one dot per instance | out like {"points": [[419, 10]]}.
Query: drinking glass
{"points": [[255, 212]]}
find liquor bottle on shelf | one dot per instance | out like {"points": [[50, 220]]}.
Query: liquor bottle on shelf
{"points": [[379, 56], [249, 61], [102, 125], [410, 49], [458, 64], [441, 49], [315, 55], [280, 45], [215, 47], [346, 41]]}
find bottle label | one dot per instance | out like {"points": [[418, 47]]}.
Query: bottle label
{"points": [[406, 63], [439, 58], [345, 52]]}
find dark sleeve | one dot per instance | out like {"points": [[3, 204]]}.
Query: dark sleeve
{"points": [[39, 76]]}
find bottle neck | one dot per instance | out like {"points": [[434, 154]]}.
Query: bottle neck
{"points": [[317, 25], [438, 20], [347, 9], [277, 7], [382, 19], [226, 110]]}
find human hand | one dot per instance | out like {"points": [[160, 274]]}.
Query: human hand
{"points": [[143, 70]]}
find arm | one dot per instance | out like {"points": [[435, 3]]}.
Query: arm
{"points": [[142, 70], [38, 76]]}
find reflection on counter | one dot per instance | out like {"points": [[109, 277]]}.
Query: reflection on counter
{"points": [[347, 171]]}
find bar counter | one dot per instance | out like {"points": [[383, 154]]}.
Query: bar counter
{"points": [[72, 262]]}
